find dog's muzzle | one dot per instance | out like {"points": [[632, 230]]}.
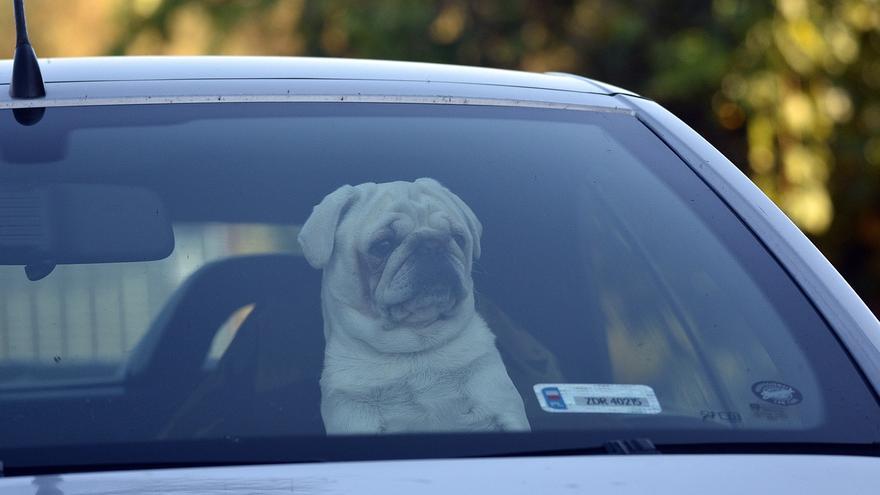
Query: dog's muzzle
{"points": [[433, 282]]}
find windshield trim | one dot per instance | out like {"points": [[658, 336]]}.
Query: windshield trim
{"points": [[310, 98]]}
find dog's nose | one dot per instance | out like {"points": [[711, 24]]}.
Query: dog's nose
{"points": [[431, 246]]}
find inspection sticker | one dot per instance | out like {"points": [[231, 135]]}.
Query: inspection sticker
{"points": [[597, 398]]}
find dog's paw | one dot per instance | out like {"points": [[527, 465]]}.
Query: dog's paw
{"points": [[512, 423]]}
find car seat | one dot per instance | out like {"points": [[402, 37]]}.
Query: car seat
{"points": [[267, 379]]}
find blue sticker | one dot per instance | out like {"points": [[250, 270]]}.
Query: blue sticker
{"points": [[553, 398], [777, 393]]}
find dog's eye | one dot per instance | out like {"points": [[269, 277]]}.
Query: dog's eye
{"points": [[459, 239], [382, 247]]}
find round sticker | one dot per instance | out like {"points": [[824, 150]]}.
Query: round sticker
{"points": [[777, 393]]}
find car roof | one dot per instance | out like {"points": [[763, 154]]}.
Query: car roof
{"points": [[78, 78], [207, 67]]}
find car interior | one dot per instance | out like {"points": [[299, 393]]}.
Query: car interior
{"points": [[265, 383]]}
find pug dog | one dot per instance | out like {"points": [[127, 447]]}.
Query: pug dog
{"points": [[406, 350]]}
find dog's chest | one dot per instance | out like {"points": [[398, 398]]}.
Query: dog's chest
{"points": [[440, 404], [427, 401]]}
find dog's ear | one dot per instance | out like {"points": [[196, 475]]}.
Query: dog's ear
{"points": [[317, 235], [473, 223]]}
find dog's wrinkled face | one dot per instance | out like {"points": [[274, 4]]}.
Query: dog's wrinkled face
{"points": [[400, 254], [412, 263]]}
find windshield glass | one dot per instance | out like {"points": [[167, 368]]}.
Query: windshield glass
{"points": [[350, 269]]}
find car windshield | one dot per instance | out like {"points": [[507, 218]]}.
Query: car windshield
{"points": [[374, 271]]}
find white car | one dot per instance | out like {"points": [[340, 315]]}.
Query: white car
{"points": [[161, 330]]}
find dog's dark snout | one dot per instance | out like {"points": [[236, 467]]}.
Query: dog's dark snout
{"points": [[431, 246]]}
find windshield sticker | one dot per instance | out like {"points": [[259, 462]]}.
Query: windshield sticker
{"points": [[597, 398], [777, 393]]}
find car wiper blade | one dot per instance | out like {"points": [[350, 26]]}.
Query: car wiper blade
{"points": [[629, 447], [634, 446], [871, 449], [640, 446]]}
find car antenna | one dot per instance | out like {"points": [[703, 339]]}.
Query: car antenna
{"points": [[27, 81]]}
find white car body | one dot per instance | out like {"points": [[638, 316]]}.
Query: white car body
{"points": [[624, 475], [148, 81]]}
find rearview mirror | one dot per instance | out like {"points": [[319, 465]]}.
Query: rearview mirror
{"points": [[82, 223]]}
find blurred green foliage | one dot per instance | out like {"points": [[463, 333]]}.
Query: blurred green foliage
{"points": [[787, 89]]}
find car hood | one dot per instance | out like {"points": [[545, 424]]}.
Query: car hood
{"points": [[680, 474]]}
